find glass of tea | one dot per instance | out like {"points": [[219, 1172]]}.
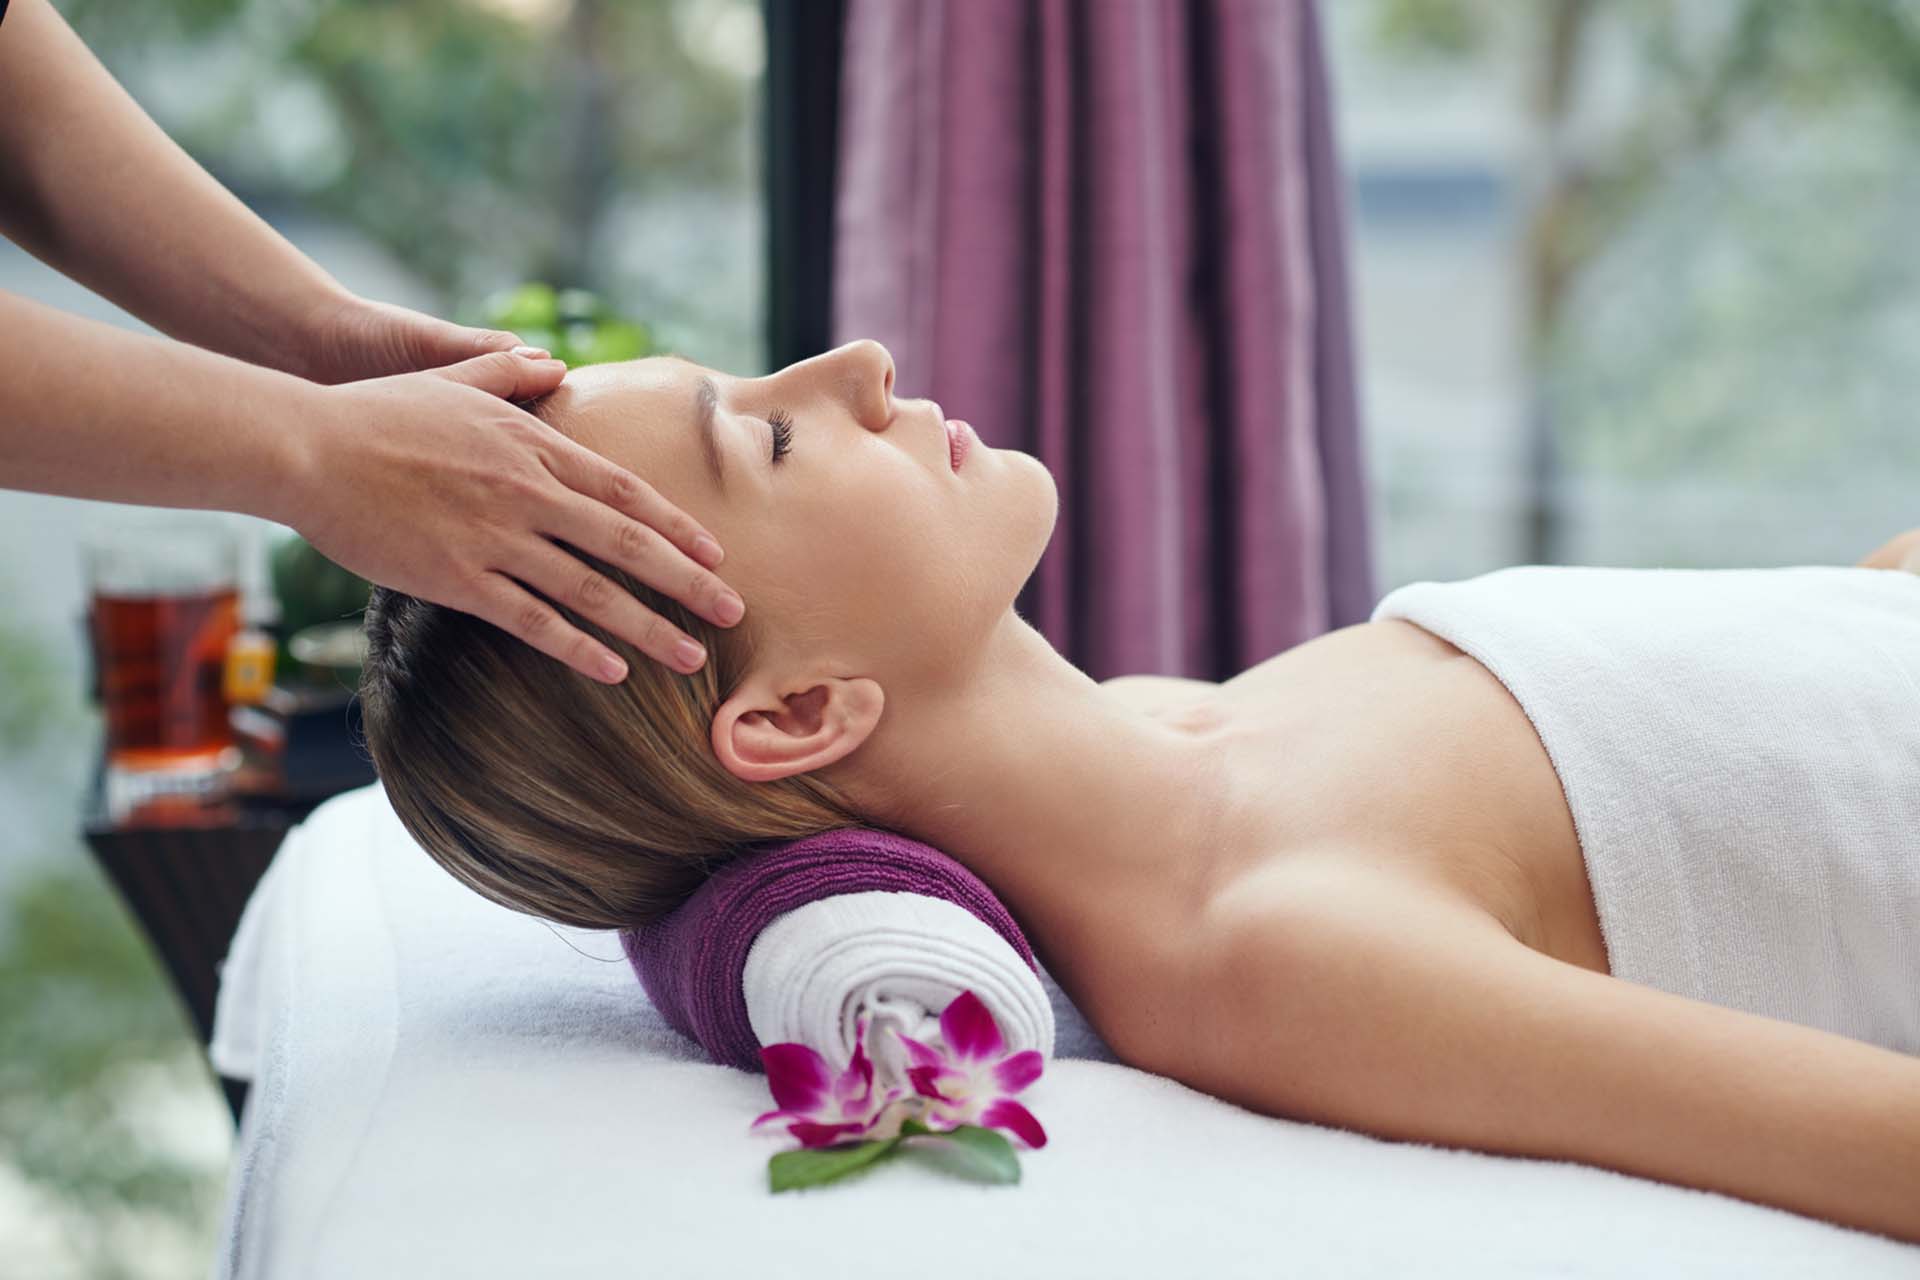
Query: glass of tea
{"points": [[164, 603]]}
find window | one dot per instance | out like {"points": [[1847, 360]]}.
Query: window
{"points": [[1668, 323]]}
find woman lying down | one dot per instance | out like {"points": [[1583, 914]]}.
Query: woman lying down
{"points": [[1608, 865]]}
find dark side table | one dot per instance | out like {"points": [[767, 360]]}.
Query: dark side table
{"points": [[186, 873]]}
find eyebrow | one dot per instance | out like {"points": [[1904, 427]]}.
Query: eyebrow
{"points": [[706, 404]]}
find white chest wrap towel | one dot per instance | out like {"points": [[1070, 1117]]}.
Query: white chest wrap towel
{"points": [[1740, 750]]}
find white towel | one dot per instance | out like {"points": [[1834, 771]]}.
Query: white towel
{"points": [[445, 1088], [1740, 750], [898, 958]]}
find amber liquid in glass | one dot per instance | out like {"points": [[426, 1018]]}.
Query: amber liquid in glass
{"points": [[160, 661]]}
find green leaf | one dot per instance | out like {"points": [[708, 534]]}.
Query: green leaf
{"points": [[811, 1166], [612, 340], [529, 306], [971, 1150]]}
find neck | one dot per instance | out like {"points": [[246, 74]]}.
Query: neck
{"points": [[1089, 818]]}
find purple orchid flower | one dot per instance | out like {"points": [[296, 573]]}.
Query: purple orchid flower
{"points": [[824, 1110], [967, 1084]]}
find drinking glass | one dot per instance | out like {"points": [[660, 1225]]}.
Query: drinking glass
{"points": [[164, 603]]}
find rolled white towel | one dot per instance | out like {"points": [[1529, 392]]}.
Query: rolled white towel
{"points": [[899, 958]]}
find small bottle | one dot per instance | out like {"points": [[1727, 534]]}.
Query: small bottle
{"points": [[253, 651], [250, 663]]}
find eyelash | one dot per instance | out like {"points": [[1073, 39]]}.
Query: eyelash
{"points": [[781, 424]]}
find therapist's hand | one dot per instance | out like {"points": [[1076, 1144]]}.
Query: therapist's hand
{"points": [[435, 484], [348, 339]]}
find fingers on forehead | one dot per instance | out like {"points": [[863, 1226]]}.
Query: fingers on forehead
{"points": [[555, 410], [630, 391]]}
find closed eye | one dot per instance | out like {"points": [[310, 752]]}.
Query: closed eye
{"points": [[780, 424]]}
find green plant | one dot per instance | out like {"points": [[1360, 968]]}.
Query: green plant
{"points": [[576, 325]]}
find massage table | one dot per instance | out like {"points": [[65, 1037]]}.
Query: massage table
{"points": [[442, 1087]]}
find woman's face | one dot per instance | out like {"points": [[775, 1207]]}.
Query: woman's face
{"points": [[862, 546]]}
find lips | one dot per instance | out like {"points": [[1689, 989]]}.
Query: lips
{"points": [[959, 442]]}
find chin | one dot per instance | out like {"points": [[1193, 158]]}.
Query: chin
{"points": [[1007, 529], [1038, 503]]}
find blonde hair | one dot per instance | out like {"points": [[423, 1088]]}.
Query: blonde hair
{"points": [[601, 806]]}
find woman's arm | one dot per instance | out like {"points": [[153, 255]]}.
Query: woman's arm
{"points": [[91, 186], [1427, 1021]]}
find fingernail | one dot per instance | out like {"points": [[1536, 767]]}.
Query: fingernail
{"points": [[707, 551], [533, 353], [730, 608], [613, 668], [689, 655]]}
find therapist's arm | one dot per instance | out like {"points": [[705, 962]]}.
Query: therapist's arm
{"points": [[90, 185], [431, 483]]}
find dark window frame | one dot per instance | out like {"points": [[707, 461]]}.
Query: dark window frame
{"points": [[801, 130]]}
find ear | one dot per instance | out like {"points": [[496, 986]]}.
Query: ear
{"points": [[762, 734]]}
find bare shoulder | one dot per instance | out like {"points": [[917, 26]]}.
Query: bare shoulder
{"points": [[1267, 936], [1150, 687], [1256, 937], [1160, 695]]}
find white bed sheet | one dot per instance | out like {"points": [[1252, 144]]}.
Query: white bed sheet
{"points": [[443, 1087]]}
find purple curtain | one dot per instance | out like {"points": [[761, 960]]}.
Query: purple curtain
{"points": [[1110, 233]]}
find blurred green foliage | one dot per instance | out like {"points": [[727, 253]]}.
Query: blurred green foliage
{"points": [[467, 127], [1714, 261], [310, 588], [29, 693], [85, 1014], [1805, 52], [576, 325], [1441, 30], [90, 1030], [481, 141]]}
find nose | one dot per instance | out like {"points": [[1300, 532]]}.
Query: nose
{"points": [[868, 378]]}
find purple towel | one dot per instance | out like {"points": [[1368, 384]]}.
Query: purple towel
{"points": [[692, 962]]}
